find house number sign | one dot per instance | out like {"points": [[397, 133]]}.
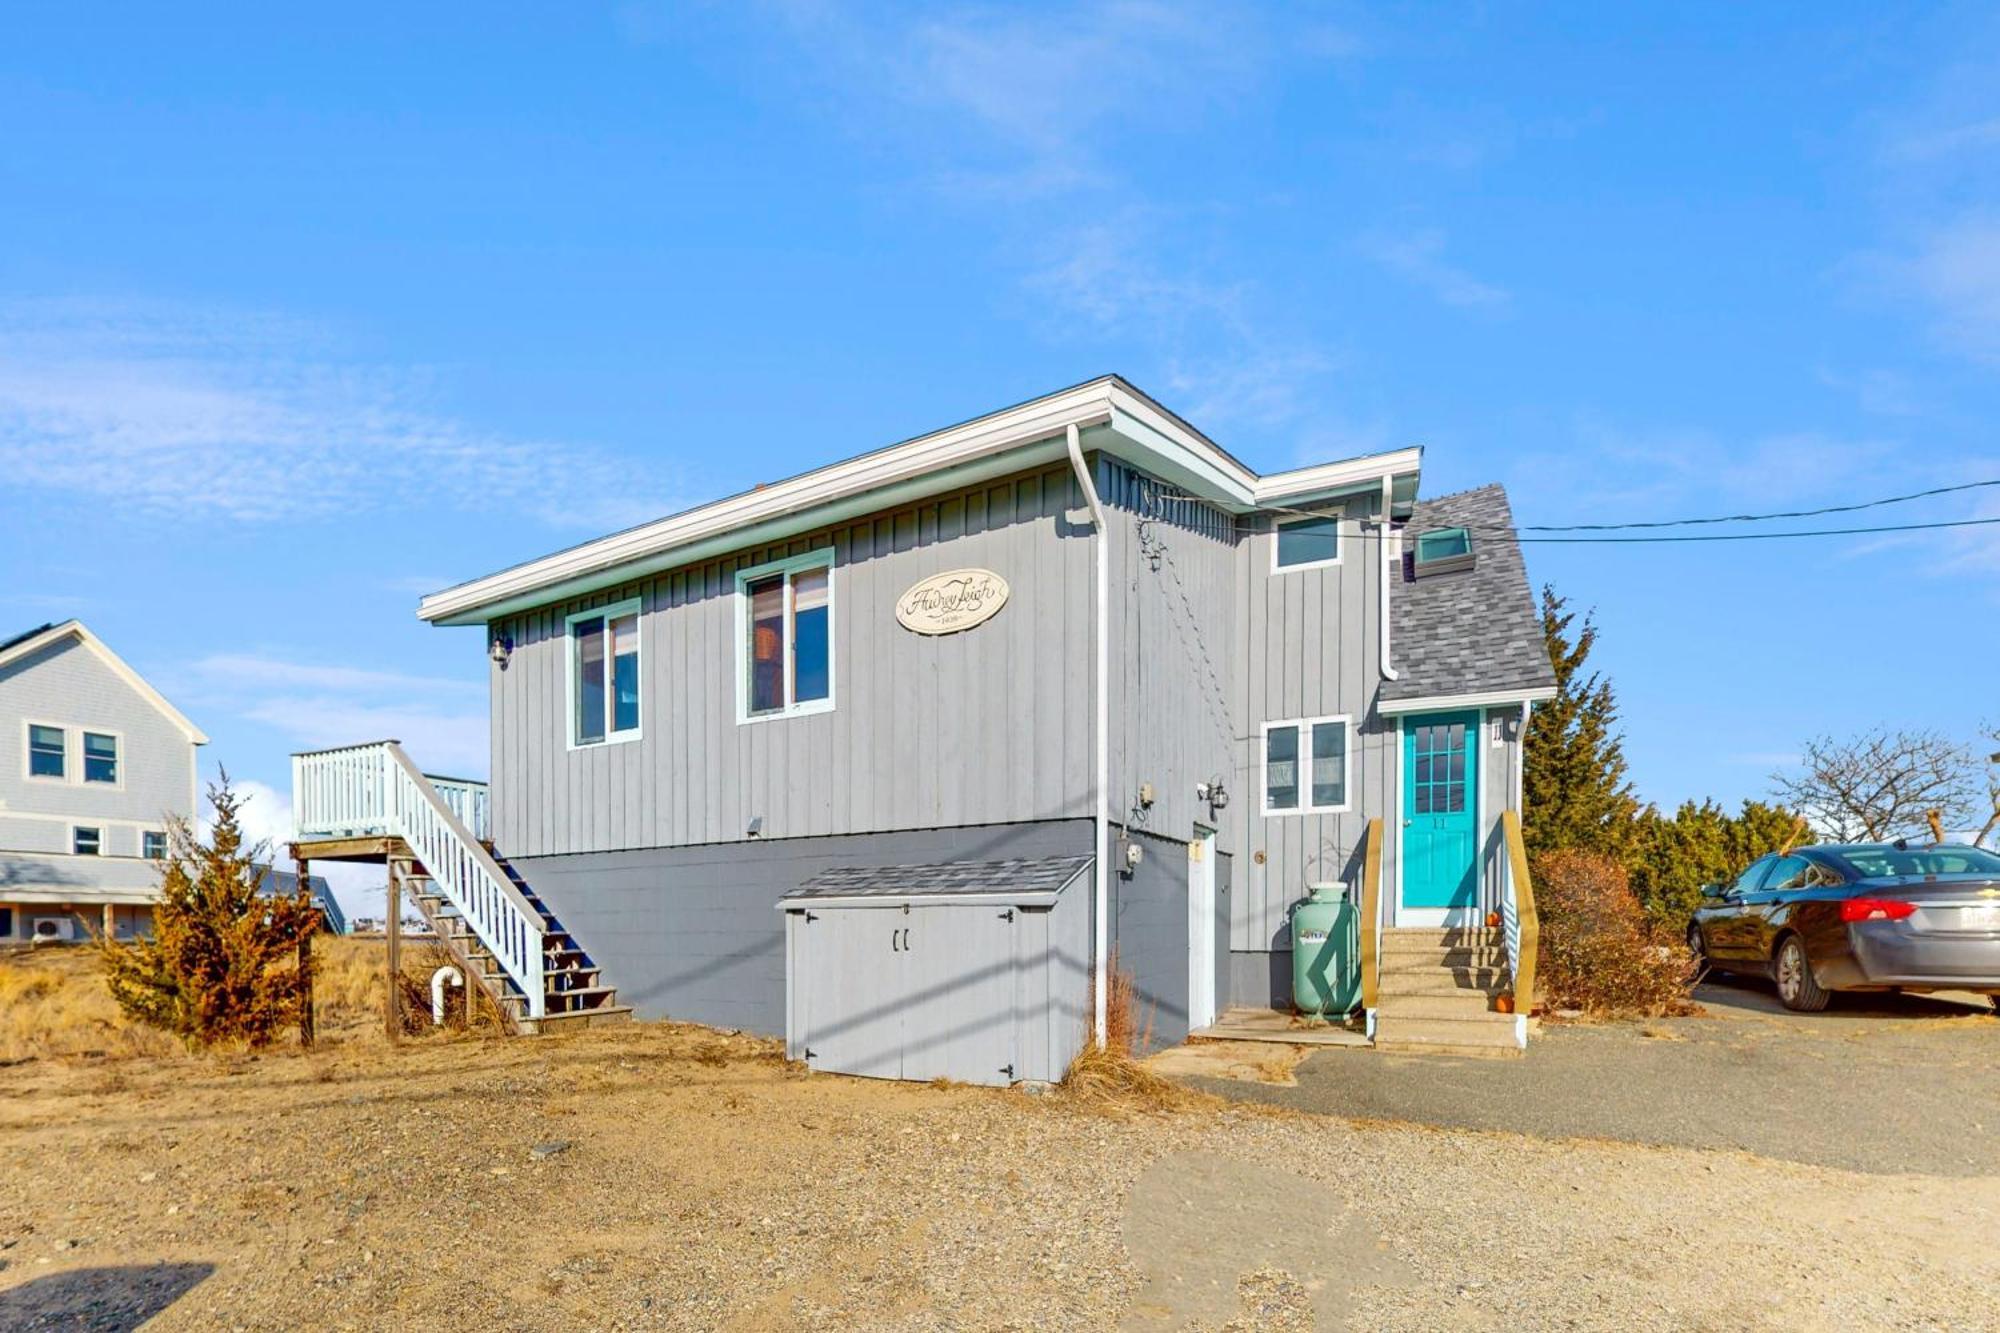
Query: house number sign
{"points": [[955, 600]]}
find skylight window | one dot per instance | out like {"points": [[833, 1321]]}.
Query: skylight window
{"points": [[1443, 549]]}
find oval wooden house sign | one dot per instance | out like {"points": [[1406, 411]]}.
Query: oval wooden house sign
{"points": [[955, 600]]}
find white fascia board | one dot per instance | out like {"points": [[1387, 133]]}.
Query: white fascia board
{"points": [[1444, 703], [114, 662], [1347, 475], [874, 480], [886, 901]]}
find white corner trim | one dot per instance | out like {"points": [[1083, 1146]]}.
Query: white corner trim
{"points": [[112, 660], [1444, 703]]}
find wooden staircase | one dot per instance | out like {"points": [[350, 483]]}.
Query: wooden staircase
{"points": [[1437, 992], [574, 992]]}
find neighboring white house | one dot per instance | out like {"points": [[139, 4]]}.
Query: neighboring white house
{"points": [[94, 764]]}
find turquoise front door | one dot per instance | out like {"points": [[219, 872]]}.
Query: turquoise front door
{"points": [[1440, 811]]}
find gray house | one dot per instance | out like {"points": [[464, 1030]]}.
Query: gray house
{"points": [[892, 756], [94, 764]]}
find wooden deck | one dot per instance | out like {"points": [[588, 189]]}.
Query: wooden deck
{"points": [[1270, 1025]]}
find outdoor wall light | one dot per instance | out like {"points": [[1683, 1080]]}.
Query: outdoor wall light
{"points": [[501, 649], [756, 828]]}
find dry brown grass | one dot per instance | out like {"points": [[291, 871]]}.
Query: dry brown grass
{"points": [[1110, 1077], [54, 1004]]}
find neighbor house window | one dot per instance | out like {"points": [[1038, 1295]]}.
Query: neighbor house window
{"points": [[100, 757], [45, 751], [604, 674], [153, 845], [86, 841], [1305, 765], [1303, 542], [786, 611]]}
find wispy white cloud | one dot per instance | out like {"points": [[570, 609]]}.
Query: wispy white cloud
{"points": [[1418, 257], [455, 741], [182, 414], [239, 670], [1956, 269]]}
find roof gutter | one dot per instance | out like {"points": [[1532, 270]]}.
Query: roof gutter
{"points": [[1388, 498], [1100, 927]]}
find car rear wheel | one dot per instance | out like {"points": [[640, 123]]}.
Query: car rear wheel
{"points": [[1699, 948], [1796, 987]]}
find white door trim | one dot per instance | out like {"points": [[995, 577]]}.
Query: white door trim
{"points": [[1201, 928], [1446, 917]]}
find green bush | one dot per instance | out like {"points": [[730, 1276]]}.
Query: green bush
{"points": [[1600, 951], [1670, 859]]}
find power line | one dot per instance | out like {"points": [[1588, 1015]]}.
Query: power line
{"points": [[1760, 518]]}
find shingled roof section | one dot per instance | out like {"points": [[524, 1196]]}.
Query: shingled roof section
{"points": [[1037, 875], [1469, 631]]}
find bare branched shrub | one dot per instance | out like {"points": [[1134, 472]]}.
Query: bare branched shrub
{"points": [[1600, 952], [1880, 785]]}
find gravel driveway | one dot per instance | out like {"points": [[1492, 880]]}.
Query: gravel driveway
{"points": [[658, 1177], [1881, 1084]]}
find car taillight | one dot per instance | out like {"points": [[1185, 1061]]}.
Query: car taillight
{"points": [[1875, 909]]}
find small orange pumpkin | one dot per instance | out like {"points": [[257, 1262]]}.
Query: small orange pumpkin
{"points": [[1492, 920], [1503, 1004]]}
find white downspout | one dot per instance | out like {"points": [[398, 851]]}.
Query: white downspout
{"points": [[1101, 899], [1388, 496]]}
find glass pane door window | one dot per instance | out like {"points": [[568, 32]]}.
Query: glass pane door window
{"points": [[604, 672], [788, 648], [1439, 779], [100, 757], [45, 751]]}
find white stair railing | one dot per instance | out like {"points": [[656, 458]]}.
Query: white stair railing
{"points": [[374, 790]]}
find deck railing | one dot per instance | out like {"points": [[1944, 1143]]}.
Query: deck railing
{"points": [[1371, 924], [1520, 923], [373, 790]]}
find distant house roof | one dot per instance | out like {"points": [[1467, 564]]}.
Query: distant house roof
{"points": [[1111, 415], [23, 645], [277, 883], [1472, 632], [1022, 880]]}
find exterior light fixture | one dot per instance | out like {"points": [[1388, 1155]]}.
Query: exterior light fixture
{"points": [[756, 828], [501, 649]]}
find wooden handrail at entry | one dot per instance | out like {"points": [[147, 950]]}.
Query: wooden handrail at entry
{"points": [[1371, 908], [1529, 929]]}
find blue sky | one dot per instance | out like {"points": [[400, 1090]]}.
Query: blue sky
{"points": [[301, 315]]}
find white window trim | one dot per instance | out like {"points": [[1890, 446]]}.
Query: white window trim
{"points": [[1305, 726], [166, 847], [117, 759], [610, 611], [822, 558], [75, 829], [28, 726], [1339, 543]]}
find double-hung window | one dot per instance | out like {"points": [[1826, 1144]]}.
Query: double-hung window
{"points": [[785, 635], [47, 747], [604, 674], [153, 845], [1305, 766], [1304, 543], [100, 757]]}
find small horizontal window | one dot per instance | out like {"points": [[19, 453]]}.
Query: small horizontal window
{"points": [[45, 751], [1308, 541], [153, 845], [87, 841], [100, 757]]}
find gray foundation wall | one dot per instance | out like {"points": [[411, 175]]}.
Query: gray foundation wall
{"points": [[1260, 979], [694, 933], [1150, 933]]}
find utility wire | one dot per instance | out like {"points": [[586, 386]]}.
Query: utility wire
{"points": [[1760, 518]]}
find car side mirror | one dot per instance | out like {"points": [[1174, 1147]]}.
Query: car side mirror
{"points": [[1714, 891]]}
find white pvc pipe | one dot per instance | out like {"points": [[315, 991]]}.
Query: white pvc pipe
{"points": [[1388, 497], [1101, 899], [446, 975]]}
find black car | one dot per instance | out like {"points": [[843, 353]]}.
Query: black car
{"points": [[1858, 917]]}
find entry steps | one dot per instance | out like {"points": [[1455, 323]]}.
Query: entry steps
{"points": [[1436, 990], [574, 994]]}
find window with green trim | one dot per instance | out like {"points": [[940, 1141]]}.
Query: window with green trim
{"points": [[1443, 549]]}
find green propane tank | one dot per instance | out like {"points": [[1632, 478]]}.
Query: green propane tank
{"points": [[1326, 954]]}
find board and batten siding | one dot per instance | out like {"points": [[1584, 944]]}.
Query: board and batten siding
{"points": [[1174, 657], [1311, 648], [992, 725]]}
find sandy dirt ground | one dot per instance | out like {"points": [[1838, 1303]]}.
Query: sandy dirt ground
{"points": [[655, 1176]]}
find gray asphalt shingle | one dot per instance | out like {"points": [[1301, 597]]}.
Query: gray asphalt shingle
{"points": [[1471, 630], [1045, 874]]}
